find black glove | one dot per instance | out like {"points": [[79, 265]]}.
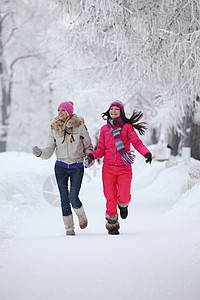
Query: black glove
{"points": [[89, 161], [148, 157]]}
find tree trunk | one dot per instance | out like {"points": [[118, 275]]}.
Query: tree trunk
{"points": [[154, 137], [4, 99], [4, 125], [187, 129], [191, 137], [195, 141], [173, 141], [50, 102]]}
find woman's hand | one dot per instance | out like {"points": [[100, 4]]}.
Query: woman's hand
{"points": [[89, 161], [148, 157], [36, 151]]}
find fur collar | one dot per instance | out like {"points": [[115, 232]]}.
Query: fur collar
{"points": [[74, 121]]}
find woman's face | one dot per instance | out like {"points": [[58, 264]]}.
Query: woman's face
{"points": [[62, 114], [114, 112]]}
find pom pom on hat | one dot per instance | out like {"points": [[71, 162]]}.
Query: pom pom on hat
{"points": [[118, 104], [68, 106]]}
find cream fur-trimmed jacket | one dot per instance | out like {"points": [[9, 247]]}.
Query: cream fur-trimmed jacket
{"points": [[72, 151]]}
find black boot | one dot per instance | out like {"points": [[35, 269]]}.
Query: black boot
{"points": [[112, 224], [123, 212]]}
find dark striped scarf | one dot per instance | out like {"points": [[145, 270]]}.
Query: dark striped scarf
{"points": [[127, 156]]}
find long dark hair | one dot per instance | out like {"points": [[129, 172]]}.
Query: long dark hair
{"points": [[136, 116]]}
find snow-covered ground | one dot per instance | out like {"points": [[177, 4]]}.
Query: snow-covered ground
{"points": [[156, 256]]}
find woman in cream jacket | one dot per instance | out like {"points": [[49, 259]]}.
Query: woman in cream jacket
{"points": [[70, 140]]}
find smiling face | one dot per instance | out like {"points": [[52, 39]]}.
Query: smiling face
{"points": [[114, 112], [62, 114]]}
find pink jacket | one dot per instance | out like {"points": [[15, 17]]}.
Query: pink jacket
{"points": [[106, 145]]}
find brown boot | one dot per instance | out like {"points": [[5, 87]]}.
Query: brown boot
{"points": [[112, 224], [69, 224], [80, 212]]}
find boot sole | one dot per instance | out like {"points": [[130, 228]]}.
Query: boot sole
{"points": [[124, 217], [114, 233], [70, 233]]}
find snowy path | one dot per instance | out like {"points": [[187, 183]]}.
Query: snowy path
{"points": [[156, 257]]}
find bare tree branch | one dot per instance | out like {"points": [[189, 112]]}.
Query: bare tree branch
{"points": [[3, 18], [10, 36], [22, 57]]}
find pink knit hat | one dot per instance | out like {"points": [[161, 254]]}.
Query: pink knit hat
{"points": [[118, 104], [68, 106]]}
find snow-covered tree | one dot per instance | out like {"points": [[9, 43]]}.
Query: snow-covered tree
{"points": [[132, 45], [23, 72]]}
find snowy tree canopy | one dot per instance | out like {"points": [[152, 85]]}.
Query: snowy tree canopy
{"points": [[137, 43]]}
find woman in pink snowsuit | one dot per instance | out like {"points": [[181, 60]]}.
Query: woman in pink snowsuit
{"points": [[114, 145]]}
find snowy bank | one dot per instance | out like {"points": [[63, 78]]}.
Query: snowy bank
{"points": [[156, 256]]}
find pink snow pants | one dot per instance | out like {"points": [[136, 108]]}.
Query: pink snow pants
{"points": [[116, 186]]}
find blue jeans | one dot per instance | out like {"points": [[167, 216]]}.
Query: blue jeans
{"points": [[69, 196]]}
